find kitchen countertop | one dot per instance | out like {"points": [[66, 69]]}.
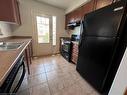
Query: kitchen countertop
{"points": [[75, 42], [8, 58]]}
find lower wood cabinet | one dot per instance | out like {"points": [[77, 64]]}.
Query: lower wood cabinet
{"points": [[28, 56], [74, 55]]}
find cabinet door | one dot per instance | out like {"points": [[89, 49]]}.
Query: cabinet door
{"points": [[102, 3], [74, 55], [72, 16], [87, 8], [79, 13], [76, 15], [9, 11], [16, 12], [66, 20]]}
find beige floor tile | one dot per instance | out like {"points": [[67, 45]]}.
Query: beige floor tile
{"points": [[24, 85], [23, 92], [41, 89], [68, 80], [56, 85], [95, 93], [38, 79], [35, 65], [85, 87], [37, 70], [48, 68], [72, 90], [37, 62], [53, 75], [75, 76]]}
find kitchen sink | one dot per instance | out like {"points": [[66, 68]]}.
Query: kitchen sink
{"points": [[10, 45]]}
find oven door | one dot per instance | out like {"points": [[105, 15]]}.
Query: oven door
{"points": [[18, 79], [66, 47], [15, 78]]}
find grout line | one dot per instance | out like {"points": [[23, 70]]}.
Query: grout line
{"points": [[61, 68], [47, 80]]}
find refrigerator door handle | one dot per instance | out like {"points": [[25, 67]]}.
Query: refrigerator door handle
{"points": [[81, 31]]}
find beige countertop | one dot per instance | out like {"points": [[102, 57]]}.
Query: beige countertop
{"points": [[75, 42], [9, 58]]}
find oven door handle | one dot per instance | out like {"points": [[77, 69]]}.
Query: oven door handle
{"points": [[21, 79]]}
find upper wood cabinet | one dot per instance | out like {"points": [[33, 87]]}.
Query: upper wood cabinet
{"points": [[102, 3], [78, 14], [9, 11], [88, 7]]}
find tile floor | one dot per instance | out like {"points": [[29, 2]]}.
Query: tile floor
{"points": [[53, 75]]}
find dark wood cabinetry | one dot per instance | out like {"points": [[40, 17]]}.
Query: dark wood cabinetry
{"points": [[9, 11], [74, 55], [79, 13], [88, 7], [102, 3], [28, 55]]}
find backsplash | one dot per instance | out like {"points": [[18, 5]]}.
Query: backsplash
{"points": [[76, 31], [5, 29]]}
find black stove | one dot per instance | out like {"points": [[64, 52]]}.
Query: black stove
{"points": [[65, 47]]}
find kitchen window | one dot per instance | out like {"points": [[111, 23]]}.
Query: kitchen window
{"points": [[43, 26], [54, 30], [43, 29]]}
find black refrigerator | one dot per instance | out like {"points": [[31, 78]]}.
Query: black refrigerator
{"points": [[102, 45]]}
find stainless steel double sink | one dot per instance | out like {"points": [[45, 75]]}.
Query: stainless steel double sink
{"points": [[4, 46]]}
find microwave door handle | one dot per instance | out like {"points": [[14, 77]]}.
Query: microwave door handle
{"points": [[21, 79]]}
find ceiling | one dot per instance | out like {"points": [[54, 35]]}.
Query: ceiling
{"points": [[64, 4]]}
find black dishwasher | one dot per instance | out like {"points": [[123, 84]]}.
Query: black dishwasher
{"points": [[14, 79]]}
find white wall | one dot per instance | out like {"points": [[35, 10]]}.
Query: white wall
{"points": [[76, 4], [5, 30], [28, 10], [120, 82]]}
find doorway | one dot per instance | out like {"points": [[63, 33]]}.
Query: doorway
{"points": [[45, 35]]}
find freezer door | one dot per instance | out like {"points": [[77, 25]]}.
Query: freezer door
{"points": [[94, 59], [104, 22]]}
